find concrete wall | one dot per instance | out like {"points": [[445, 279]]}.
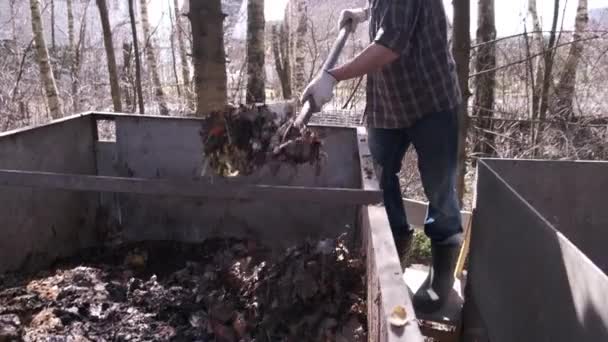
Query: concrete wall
{"points": [[153, 147], [39, 225], [573, 196], [528, 281]]}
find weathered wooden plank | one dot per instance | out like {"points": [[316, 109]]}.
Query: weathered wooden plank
{"points": [[188, 188], [368, 176], [386, 288]]}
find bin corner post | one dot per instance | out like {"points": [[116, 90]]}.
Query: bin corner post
{"points": [[386, 288]]}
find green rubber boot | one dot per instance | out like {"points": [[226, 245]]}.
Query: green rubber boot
{"points": [[436, 288]]}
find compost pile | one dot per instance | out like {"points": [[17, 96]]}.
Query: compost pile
{"points": [[221, 290], [243, 139]]}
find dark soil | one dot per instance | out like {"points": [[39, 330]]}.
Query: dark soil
{"points": [[220, 290]]}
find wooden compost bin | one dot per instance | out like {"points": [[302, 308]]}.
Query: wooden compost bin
{"points": [[538, 260], [60, 182]]}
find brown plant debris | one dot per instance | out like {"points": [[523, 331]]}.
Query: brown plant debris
{"points": [[220, 290], [243, 139]]}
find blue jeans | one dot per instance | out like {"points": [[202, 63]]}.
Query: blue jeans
{"points": [[435, 138]]}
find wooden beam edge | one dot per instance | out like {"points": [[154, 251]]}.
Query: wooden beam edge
{"points": [[393, 289], [369, 181]]}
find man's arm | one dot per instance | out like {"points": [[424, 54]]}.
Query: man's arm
{"points": [[374, 57], [393, 39]]}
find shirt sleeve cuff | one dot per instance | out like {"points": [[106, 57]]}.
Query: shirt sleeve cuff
{"points": [[394, 40]]}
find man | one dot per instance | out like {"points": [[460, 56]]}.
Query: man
{"points": [[412, 99]]}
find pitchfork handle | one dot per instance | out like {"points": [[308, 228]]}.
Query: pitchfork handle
{"points": [[309, 107]]}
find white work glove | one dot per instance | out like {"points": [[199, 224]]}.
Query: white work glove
{"points": [[320, 89], [358, 15]]}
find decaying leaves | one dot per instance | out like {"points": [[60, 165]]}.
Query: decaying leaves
{"points": [[221, 290], [243, 139]]}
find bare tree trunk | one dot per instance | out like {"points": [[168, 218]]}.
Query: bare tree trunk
{"points": [[13, 20], [547, 80], [183, 56], [71, 36], [299, 73], [567, 83], [71, 50], [549, 59], [540, 44], [236, 97], [173, 58], [151, 56], [53, 46], [462, 50], [138, 87], [127, 52], [77, 59], [109, 45], [529, 80], [485, 83], [206, 20], [278, 59], [280, 50], [46, 72], [255, 52]]}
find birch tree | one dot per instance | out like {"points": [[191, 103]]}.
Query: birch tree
{"points": [[151, 56], [255, 52], [208, 51], [567, 82], [72, 52], [300, 14], [53, 41], [71, 36], [126, 77], [183, 56], [540, 45], [13, 21], [46, 72], [110, 55]]}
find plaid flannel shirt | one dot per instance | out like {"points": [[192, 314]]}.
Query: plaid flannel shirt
{"points": [[423, 79]]}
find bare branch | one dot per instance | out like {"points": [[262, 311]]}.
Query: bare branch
{"points": [[532, 56]]}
